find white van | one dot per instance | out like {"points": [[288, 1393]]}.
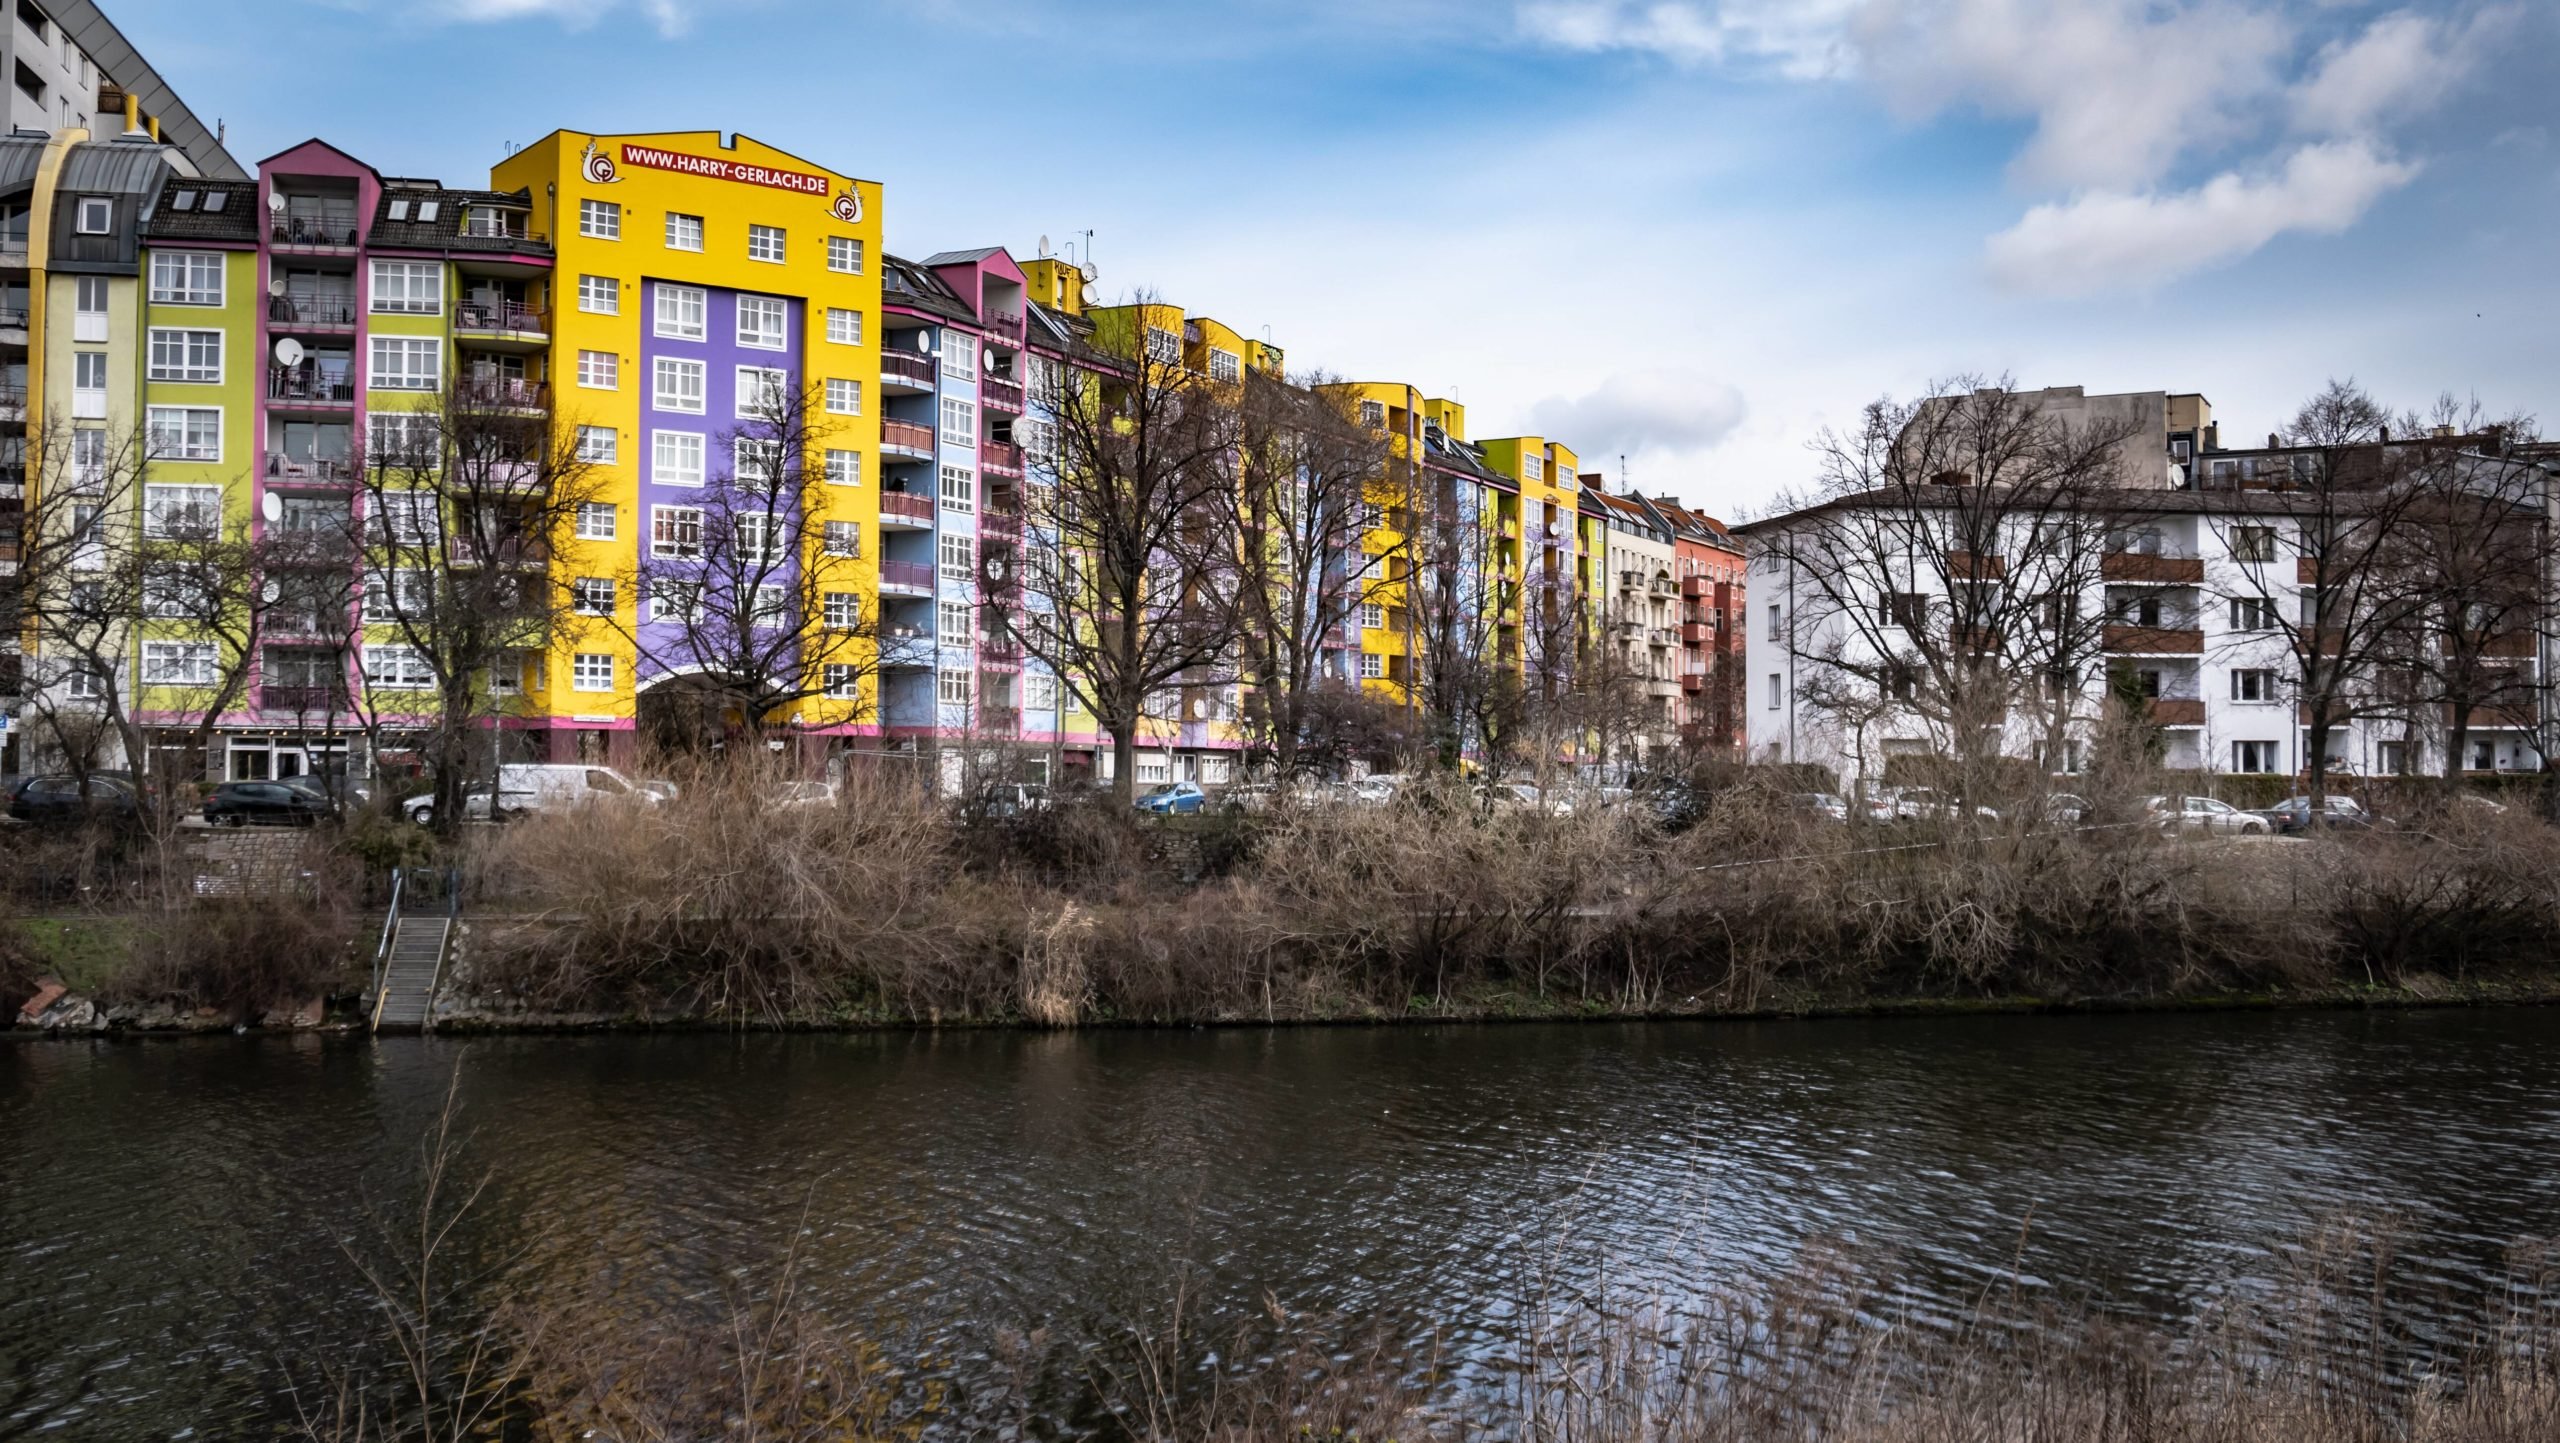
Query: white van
{"points": [[541, 787]]}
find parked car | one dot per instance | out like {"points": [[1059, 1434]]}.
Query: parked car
{"points": [[2209, 815], [241, 804], [1819, 804], [58, 799], [1529, 797], [663, 790], [2294, 816], [348, 793], [1928, 804], [1018, 799], [795, 796], [540, 787], [1376, 791], [2066, 809], [1177, 799]]}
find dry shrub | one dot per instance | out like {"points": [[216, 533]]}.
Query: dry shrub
{"points": [[293, 936]]}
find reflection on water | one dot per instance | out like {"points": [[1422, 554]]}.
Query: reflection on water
{"points": [[170, 1210]]}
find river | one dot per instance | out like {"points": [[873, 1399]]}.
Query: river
{"points": [[170, 1209]]}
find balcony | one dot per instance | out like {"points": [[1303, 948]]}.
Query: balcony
{"points": [[504, 393], [2306, 571], [1000, 651], [15, 318], [1970, 566], [1697, 633], [1662, 636], [504, 555], [309, 387], [906, 649], [906, 578], [312, 232], [310, 311], [998, 394], [2176, 711], [1003, 522], [903, 373], [13, 403], [304, 700], [283, 470], [1693, 681], [506, 319], [910, 440], [2153, 640], [999, 458], [2145, 568], [1004, 326], [2509, 644], [904, 511]]}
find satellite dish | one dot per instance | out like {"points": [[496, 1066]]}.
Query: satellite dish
{"points": [[1044, 248], [989, 358], [1085, 295], [1090, 272], [924, 341], [275, 202], [272, 591], [288, 352], [272, 507], [276, 287]]}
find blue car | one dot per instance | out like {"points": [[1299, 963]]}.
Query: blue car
{"points": [[1182, 799]]}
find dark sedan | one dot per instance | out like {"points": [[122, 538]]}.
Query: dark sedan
{"points": [[59, 799], [241, 804], [2294, 815]]}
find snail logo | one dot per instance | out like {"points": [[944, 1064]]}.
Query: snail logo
{"points": [[848, 207], [598, 166]]}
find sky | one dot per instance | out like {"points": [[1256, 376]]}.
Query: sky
{"points": [[1681, 236]]}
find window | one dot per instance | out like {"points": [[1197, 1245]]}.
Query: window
{"points": [[844, 398], [2253, 685], [407, 363], [592, 595], [679, 312], [678, 386], [844, 468], [844, 538], [762, 322], [1373, 666], [598, 444], [408, 287], [404, 439], [951, 688], [675, 533], [757, 461], [952, 623], [2253, 543], [1533, 466], [88, 457], [428, 210], [1777, 628], [959, 354], [408, 519], [597, 520], [765, 243], [186, 278], [760, 537], [397, 668], [2141, 611], [600, 295], [599, 370], [1163, 346], [1777, 691], [89, 370], [84, 684], [184, 433], [684, 232], [676, 457], [2253, 756], [96, 216], [842, 680], [1373, 413], [959, 421], [843, 608], [591, 671], [1225, 365], [2391, 758], [763, 392], [2252, 613], [179, 663], [2484, 756], [674, 600], [599, 220], [844, 253], [1906, 609], [172, 593], [1040, 691], [844, 327], [959, 489], [1039, 442], [959, 558]]}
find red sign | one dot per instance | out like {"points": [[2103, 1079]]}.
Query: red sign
{"points": [[651, 158]]}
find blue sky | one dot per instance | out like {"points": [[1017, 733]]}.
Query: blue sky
{"points": [[1692, 232]]}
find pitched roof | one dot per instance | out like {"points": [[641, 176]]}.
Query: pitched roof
{"points": [[232, 218], [961, 258], [906, 283], [445, 232]]}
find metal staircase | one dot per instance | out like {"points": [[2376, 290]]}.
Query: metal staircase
{"points": [[409, 962]]}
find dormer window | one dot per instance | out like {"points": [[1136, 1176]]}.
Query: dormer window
{"points": [[96, 215], [399, 210], [428, 211]]}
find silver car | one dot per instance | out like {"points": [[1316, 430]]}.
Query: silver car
{"points": [[2205, 814]]}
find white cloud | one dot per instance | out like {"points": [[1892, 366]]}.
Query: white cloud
{"points": [[1803, 39], [2401, 64], [670, 18], [2115, 239], [1646, 411]]}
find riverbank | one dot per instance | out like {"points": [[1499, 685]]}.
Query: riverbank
{"points": [[888, 911]]}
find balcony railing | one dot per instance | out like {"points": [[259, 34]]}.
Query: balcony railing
{"points": [[908, 506], [1697, 633], [908, 575], [1004, 323], [2143, 566], [505, 555], [906, 435], [902, 366], [314, 312], [315, 471], [1002, 521], [1000, 395], [1004, 458], [2162, 640], [2177, 711], [13, 318], [513, 392], [304, 700], [327, 230], [334, 386], [498, 316], [906, 647]]}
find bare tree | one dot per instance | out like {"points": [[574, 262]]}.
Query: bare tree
{"points": [[1312, 489], [1132, 549], [758, 609], [1467, 679], [2316, 535], [460, 505], [1941, 569]]}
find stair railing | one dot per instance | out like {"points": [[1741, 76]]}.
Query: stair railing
{"points": [[382, 950]]}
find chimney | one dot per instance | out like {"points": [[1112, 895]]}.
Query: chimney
{"points": [[133, 114], [2274, 441]]}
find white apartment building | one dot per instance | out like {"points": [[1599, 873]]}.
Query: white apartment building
{"points": [[69, 68], [2194, 602], [1640, 605]]}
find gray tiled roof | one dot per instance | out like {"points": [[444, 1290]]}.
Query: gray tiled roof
{"points": [[236, 220], [961, 258], [906, 283], [444, 233]]}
